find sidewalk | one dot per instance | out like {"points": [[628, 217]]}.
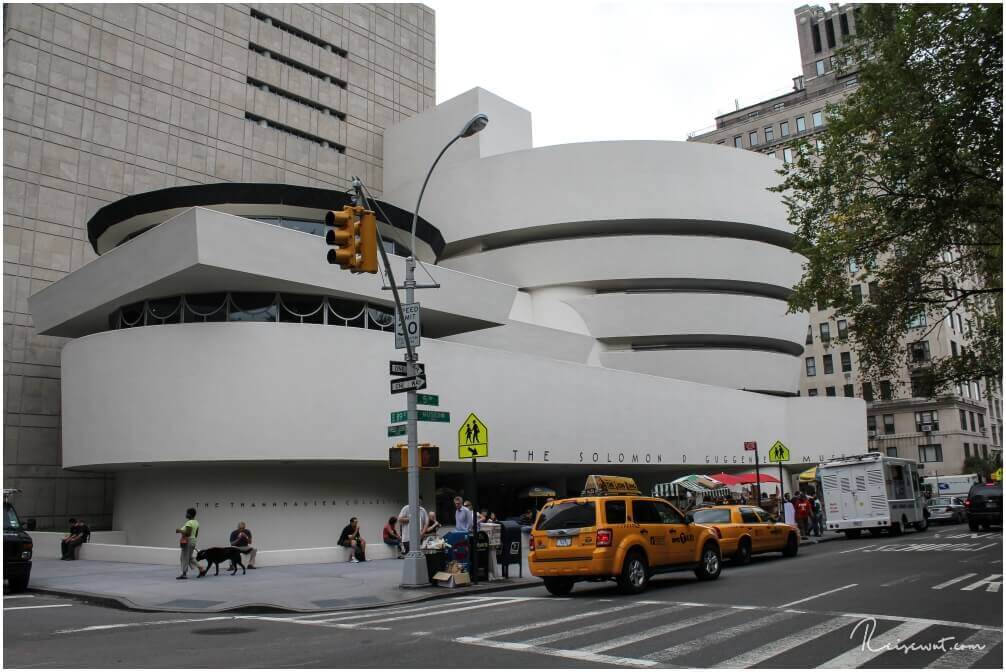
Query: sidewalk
{"points": [[827, 535], [297, 588]]}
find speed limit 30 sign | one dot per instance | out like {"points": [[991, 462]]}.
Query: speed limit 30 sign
{"points": [[412, 327]]}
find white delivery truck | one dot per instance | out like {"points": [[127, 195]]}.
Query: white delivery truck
{"points": [[950, 486], [872, 492]]}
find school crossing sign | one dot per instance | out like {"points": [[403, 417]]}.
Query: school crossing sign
{"points": [[473, 438], [778, 452]]}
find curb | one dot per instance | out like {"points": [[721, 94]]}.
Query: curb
{"points": [[822, 540], [117, 602]]}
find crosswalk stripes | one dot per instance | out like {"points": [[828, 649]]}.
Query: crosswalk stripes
{"points": [[869, 648], [719, 636], [991, 584], [606, 625], [953, 581], [779, 646], [658, 631], [555, 621], [970, 651]]}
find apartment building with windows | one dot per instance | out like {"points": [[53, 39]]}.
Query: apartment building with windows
{"points": [[902, 419], [104, 101]]}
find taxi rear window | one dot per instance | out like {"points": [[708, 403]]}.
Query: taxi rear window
{"points": [[568, 514], [712, 516]]}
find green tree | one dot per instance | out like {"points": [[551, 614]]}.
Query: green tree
{"points": [[983, 466], [908, 186]]}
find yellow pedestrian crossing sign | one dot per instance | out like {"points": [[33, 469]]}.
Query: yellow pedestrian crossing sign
{"points": [[778, 452], [473, 438]]}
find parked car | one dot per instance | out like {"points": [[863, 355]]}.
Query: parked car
{"points": [[17, 549], [984, 505], [946, 510], [613, 532], [748, 530]]}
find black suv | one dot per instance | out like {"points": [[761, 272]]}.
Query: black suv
{"points": [[984, 505], [17, 547]]}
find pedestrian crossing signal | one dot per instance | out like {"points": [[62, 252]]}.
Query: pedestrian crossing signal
{"points": [[398, 456]]}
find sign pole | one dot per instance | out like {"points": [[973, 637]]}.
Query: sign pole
{"points": [[782, 484], [757, 480], [475, 522]]}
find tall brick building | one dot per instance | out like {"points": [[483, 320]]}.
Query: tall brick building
{"points": [[102, 101]]}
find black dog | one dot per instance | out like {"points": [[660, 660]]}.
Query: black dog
{"points": [[216, 555]]}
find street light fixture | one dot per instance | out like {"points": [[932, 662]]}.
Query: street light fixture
{"points": [[414, 573]]}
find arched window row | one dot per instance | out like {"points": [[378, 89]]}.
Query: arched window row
{"points": [[253, 307]]}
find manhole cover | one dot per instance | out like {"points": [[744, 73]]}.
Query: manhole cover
{"points": [[222, 631]]}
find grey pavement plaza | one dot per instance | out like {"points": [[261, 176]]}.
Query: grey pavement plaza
{"points": [[318, 587]]}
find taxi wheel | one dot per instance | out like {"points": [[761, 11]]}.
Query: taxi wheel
{"points": [[559, 587], [743, 554], [635, 573], [709, 565], [792, 546]]}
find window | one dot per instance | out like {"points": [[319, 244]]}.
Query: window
{"points": [[981, 422], [748, 515], [892, 451], [812, 392], [815, 36], [922, 386], [919, 352], [953, 348], [825, 329], [843, 24], [868, 391], [830, 391], [871, 423], [769, 133], [960, 322], [985, 451], [918, 321], [645, 512], [753, 138], [772, 154], [783, 129], [568, 514], [819, 68], [889, 424], [829, 364], [817, 118], [810, 334], [927, 421], [851, 82], [857, 294], [614, 511], [971, 416], [787, 155], [846, 358], [874, 290], [843, 329], [737, 141], [964, 419], [885, 390], [967, 450], [811, 366], [931, 453], [801, 124], [705, 516], [829, 33]]}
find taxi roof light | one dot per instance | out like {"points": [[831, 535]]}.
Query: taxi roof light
{"points": [[599, 486]]}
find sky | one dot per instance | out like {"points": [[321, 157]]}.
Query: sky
{"points": [[618, 70]]}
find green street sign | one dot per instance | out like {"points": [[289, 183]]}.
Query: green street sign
{"points": [[422, 416], [397, 430], [428, 399], [433, 416]]}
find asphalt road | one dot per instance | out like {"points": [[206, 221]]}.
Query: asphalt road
{"points": [[841, 604]]}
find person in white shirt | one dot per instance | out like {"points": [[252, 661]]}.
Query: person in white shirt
{"points": [[789, 511], [403, 522]]}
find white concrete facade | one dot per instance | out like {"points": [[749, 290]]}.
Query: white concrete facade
{"points": [[624, 340]]}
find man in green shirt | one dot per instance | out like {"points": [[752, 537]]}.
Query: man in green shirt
{"points": [[189, 532]]}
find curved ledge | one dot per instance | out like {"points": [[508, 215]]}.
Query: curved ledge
{"points": [[705, 342], [690, 285], [242, 193], [621, 228]]}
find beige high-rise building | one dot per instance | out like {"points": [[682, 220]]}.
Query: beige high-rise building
{"points": [[901, 420], [107, 100]]}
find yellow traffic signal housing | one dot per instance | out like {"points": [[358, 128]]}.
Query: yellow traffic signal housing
{"points": [[343, 237], [398, 456], [368, 243]]}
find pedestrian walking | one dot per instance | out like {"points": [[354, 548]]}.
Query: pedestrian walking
{"points": [[816, 516], [462, 516], [803, 509], [187, 543], [789, 513]]}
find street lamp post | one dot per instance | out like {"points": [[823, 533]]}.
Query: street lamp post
{"points": [[414, 573]]}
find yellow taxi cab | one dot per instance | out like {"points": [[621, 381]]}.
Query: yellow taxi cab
{"points": [[747, 530], [612, 532]]}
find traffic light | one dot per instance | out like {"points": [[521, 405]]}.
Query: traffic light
{"points": [[343, 236], [398, 456], [368, 243]]}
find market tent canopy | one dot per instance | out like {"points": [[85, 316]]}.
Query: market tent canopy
{"points": [[727, 479], [764, 478], [700, 485], [809, 476]]}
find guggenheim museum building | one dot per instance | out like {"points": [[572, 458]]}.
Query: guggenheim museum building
{"points": [[608, 307]]}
